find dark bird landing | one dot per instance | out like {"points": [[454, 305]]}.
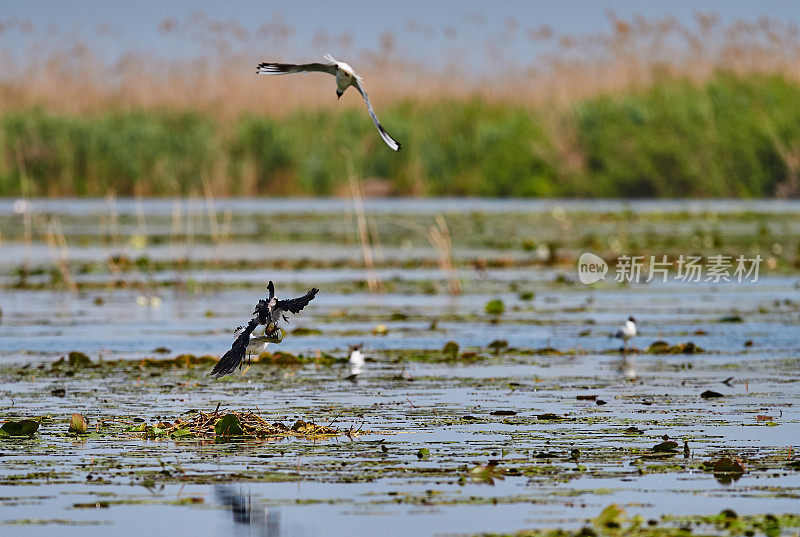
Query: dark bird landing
{"points": [[267, 312]]}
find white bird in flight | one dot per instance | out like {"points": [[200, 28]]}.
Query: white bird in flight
{"points": [[345, 77]]}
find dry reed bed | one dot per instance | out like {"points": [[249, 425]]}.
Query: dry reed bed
{"points": [[65, 75]]}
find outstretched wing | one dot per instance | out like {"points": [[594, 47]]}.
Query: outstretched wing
{"points": [[270, 68], [391, 142], [231, 360], [295, 305]]}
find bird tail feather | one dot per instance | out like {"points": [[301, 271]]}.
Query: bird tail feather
{"points": [[227, 364]]}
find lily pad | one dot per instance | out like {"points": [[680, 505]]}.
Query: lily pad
{"points": [[423, 453], [77, 424], [729, 465], [611, 517], [19, 428], [550, 417], [450, 350], [710, 394], [78, 359], [487, 473], [495, 307], [498, 344], [228, 425], [303, 331], [670, 446], [380, 330]]}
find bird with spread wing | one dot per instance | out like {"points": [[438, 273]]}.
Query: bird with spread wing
{"points": [[268, 312], [345, 77]]}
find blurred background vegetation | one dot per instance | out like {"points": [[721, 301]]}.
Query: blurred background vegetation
{"points": [[648, 108]]}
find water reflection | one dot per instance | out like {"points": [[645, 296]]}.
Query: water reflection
{"points": [[628, 366], [248, 519]]}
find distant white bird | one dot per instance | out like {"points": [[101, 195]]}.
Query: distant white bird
{"points": [[356, 362], [626, 331], [345, 77]]}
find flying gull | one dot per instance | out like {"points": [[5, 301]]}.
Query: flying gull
{"points": [[345, 77], [268, 312]]}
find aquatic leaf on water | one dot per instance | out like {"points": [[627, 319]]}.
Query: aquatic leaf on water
{"points": [[504, 413], [19, 428], [550, 417], [710, 394], [77, 424], [498, 344], [228, 425], [142, 427], [727, 464], [78, 359], [611, 517], [303, 331], [450, 350], [380, 330], [662, 347], [423, 453], [495, 307], [670, 446], [487, 473]]}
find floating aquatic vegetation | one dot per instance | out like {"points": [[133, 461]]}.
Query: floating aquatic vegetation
{"points": [[303, 331], [726, 469], [497, 345], [668, 446], [380, 330], [550, 417], [450, 350], [487, 473], [728, 464], [495, 307], [19, 428], [611, 517], [74, 360], [710, 394], [662, 347], [77, 424], [222, 424]]}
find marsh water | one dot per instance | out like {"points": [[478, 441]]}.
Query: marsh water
{"points": [[537, 420]]}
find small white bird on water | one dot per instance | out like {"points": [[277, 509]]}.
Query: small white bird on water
{"points": [[345, 77], [356, 362], [627, 331]]}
